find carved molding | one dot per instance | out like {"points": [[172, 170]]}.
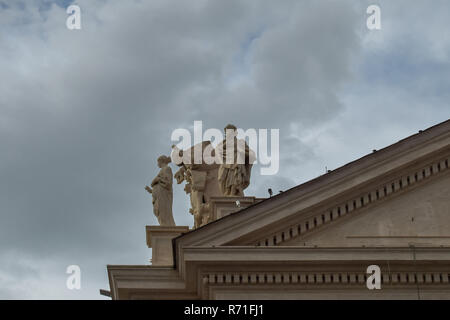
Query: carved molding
{"points": [[324, 278]]}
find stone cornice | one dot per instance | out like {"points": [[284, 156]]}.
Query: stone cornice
{"points": [[294, 266], [238, 254], [313, 279]]}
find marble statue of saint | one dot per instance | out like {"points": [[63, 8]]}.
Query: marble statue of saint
{"points": [[237, 159], [162, 194]]}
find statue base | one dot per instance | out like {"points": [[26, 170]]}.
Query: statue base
{"points": [[159, 238], [223, 206]]}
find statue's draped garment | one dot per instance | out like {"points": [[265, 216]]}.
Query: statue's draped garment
{"points": [[235, 177], [162, 195]]}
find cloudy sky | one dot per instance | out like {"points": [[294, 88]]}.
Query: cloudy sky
{"points": [[85, 113]]}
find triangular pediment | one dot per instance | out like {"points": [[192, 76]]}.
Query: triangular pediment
{"points": [[419, 216], [398, 192]]}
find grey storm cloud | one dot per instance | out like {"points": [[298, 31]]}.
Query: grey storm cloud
{"points": [[84, 114]]}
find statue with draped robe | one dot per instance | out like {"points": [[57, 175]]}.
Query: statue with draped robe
{"points": [[237, 160], [162, 194]]}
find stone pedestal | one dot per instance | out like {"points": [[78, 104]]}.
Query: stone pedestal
{"points": [[159, 238], [223, 206]]}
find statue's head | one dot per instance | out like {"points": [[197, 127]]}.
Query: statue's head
{"points": [[163, 161], [230, 129]]}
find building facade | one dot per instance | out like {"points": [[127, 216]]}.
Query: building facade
{"points": [[390, 209]]}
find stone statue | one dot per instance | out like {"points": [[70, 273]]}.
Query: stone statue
{"points": [[234, 176], [208, 182], [162, 193], [201, 184]]}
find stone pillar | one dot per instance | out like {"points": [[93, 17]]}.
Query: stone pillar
{"points": [[159, 238]]}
